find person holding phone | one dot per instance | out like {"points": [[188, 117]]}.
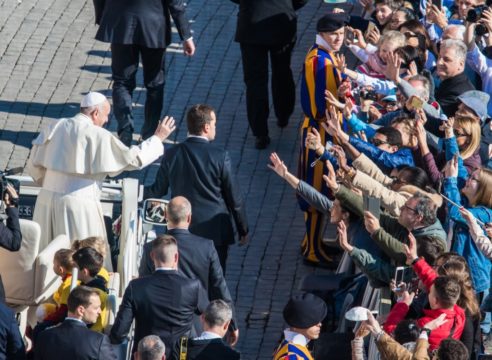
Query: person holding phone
{"points": [[476, 197]]}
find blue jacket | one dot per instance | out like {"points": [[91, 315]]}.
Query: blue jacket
{"points": [[385, 160], [463, 243]]}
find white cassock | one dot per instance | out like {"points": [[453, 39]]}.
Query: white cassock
{"points": [[70, 158]]}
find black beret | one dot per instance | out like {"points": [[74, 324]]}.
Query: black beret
{"points": [[305, 310], [331, 22]]}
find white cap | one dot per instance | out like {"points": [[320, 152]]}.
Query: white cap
{"points": [[92, 99]]}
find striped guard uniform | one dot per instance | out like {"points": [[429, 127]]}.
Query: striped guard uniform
{"points": [[289, 351], [319, 74]]}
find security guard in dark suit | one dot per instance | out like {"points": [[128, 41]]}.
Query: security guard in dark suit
{"points": [[210, 185], [140, 28], [267, 28]]}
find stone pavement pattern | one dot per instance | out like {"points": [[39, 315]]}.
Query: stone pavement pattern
{"points": [[49, 58]]}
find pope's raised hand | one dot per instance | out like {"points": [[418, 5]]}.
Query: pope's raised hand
{"points": [[165, 128]]}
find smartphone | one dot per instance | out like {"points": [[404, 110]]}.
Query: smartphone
{"points": [[370, 27], [416, 102], [437, 3], [399, 276], [373, 205], [349, 35]]}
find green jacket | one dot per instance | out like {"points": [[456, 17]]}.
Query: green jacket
{"points": [[391, 236]]}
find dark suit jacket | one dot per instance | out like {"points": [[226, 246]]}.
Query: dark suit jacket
{"points": [[211, 349], [10, 237], [267, 22], [198, 259], [11, 344], [448, 91], [142, 22], [162, 304], [74, 341], [201, 172]]}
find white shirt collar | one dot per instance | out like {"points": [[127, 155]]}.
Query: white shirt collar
{"points": [[165, 268], [206, 335], [295, 338], [321, 42], [75, 319], [198, 136]]}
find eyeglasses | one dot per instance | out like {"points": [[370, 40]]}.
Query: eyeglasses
{"points": [[460, 134], [409, 208], [377, 142]]}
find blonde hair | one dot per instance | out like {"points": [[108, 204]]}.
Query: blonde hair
{"points": [[95, 242], [484, 192], [396, 37], [64, 258], [471, 127]]}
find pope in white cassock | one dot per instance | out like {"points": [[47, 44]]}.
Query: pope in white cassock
{"points": [[71, 157]]}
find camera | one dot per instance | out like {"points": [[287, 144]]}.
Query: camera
{"points": [[4, 182], [368, 95], [475, 14]]}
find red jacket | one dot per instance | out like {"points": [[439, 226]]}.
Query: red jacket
{"points": [[454, 316], [425, 272], [399, 311]]}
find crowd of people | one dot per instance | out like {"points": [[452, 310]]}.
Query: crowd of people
{"points": [[395, 152]]}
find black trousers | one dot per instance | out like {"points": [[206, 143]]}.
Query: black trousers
{"points": [[124, 65], [222, 251], [255, 68]]}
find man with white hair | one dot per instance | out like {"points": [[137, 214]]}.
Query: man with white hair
{"points": [[454, 31], [71, 157], [151, 347], [450, 69], [210, 344]]}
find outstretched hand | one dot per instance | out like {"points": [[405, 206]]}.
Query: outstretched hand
{"points": [[277, 165], [342, 237], [165, 128], [332, 100], [451, 168], [331, 178], [437, 322], [411, 249], [313, 140]]}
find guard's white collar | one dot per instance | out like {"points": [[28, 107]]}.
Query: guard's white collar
{"points": [[322, 42], [295, 338]]}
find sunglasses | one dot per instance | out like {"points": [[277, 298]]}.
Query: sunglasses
{"points": [[377, 142], [460, 134]]}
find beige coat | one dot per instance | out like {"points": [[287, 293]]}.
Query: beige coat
{"points": [[389, 349], [70, 158], [373, 182]]}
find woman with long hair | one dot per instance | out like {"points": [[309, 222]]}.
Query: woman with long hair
{"points": [[476, 197], [461, 136]]}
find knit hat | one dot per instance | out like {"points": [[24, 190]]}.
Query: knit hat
{"points": [[92, 99], [476, 101], [331, 22], [305, 310]]}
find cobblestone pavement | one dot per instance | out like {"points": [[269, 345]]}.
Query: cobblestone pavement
{"points": [[49, 58]]}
